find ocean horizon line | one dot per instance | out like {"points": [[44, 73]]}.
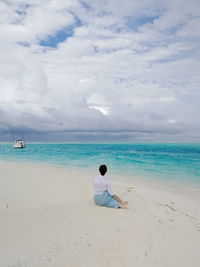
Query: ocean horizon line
{"points": [[105, 142]]}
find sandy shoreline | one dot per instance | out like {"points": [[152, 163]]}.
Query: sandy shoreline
{"points": [[47, 218]]}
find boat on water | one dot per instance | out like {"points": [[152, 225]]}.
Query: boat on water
{"points": [[19, 144]]}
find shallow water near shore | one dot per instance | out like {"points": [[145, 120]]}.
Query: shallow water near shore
{"points": [[179, 163]]}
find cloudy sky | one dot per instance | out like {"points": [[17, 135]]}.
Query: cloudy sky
{"points": [[100, 70]]}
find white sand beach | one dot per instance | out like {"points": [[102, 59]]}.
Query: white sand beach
{"points": [[48, 218]]}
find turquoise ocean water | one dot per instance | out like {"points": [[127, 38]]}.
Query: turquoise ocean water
{"points": [[178, 163]]}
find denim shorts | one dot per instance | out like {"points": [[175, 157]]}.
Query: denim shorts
{"points": [[105, 199]]}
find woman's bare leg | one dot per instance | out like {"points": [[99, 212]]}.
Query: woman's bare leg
{"points": [[118, 199]]}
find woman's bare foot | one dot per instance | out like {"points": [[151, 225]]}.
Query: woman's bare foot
{"points": [[123, 206]]}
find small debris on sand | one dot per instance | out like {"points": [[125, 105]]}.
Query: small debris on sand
{"points": [[130, 188]]}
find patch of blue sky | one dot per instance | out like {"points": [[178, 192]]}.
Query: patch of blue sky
{"points": [[178, 56], [22, 9], [23, 43], [134, 23], [162, 43], [85, 5], [61, 35], [171, 31], [21, 12]]}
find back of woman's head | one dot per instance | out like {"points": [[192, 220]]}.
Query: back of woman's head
{"points": [[103, 169]]}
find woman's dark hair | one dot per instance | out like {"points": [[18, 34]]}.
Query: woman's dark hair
{"points": [[103, 169]]}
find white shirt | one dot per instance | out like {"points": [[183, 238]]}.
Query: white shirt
{"points": [[101, 184]]}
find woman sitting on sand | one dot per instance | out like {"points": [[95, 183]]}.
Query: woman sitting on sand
{"points": [[103, 194]]}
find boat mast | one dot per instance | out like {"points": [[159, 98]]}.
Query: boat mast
{"points": [[22, 133], [12, 134]]}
